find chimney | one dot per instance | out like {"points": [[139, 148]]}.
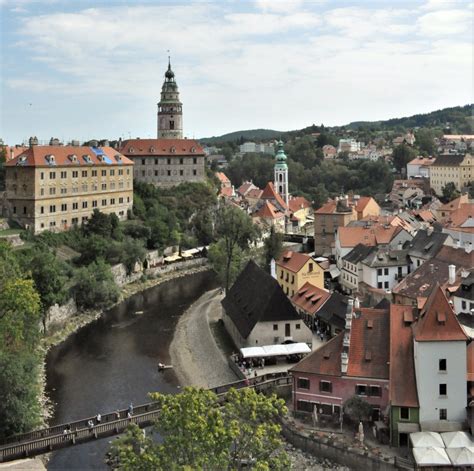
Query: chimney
{"points": [[347, 337], [452, 274], [429, 230], [12, 153], [356, 303], [273, 268]]}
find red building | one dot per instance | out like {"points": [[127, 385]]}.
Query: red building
{"points": [[355, 362]]}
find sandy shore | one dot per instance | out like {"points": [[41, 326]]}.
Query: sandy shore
{"points": [[196, 358]]}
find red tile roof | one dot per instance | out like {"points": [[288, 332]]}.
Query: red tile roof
{"points": [[254, 193], [297, 203], [361, 203], [422, 161], [222, 178], [325, 360], [39, 156], [16, 150], [245, 187], [268, 211], [370, 342], [327, 208], [167, 147], [350, 236], [437, 321], [269, 193], [310, 298], [403, 390], [293, 261], [226, 191], [454, 204], [459, 216]]}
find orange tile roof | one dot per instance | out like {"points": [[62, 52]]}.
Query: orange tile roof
{"points": [[327, 208], [17, 150], [141, 147], [403, 390], [297, 203], [222, 177], [36, 156], [268, 211], [470, 361], [245, 187], [459, 216], [270, 193], [422, 161], [226, 191], [293, 261], [370, 341], [310, 298], [455, 203], [361, 203], [350, 236], [254, 193], [437, 321]]}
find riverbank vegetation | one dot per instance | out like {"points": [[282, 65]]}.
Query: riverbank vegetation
{"points": [[201, 432]]}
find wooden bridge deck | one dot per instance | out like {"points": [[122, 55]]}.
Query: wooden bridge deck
{"points": [[53, 438]]}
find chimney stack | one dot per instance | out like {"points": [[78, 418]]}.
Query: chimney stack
{"points": [[452, 274], [347, 337], [429, 230], [356, 303]]}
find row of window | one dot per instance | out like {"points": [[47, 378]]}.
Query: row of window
{"points": [[84, 173], [168, 173], [181, 161], [85, 205], [326, 386], [74, 221], [84, 188]]}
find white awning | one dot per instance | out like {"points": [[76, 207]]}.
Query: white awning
{"points": [[334, 272], [426, 439], [275, 350], [432, 456], [186, 254], [461, 456], [457, 439], [172, 258]]}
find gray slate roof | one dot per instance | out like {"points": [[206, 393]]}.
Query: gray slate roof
{"points": [[256, 297], [358, 253], [426, 246]]}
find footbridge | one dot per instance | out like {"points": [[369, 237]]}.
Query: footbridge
{"points": [[73, 433]]}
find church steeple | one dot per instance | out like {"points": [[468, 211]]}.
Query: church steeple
{"points": [[170, 109], [281, 173]]}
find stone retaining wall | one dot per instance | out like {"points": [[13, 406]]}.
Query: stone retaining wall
{"points": [[335, 450]]}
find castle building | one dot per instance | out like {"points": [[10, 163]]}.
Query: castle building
{"points": [[57, 187], [168, 160]]}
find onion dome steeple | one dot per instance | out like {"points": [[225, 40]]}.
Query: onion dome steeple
{"points": [[281, 172], [280, 157]]}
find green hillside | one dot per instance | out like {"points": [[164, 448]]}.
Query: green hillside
{"points": [[248, 135]]}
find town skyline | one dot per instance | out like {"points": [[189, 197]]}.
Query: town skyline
{"points": [[223, 63]]}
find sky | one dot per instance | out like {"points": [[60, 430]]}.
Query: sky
{"points": [[94, 69]]}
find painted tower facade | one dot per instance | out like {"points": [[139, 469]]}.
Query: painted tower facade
{"points": [[281, 173], [170, 109]]}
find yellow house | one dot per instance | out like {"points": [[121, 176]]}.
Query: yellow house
{"points": [[294, 269], [457, 169]]}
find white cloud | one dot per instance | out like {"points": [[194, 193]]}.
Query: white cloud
{"points": [[279, 6], [445, 23]]}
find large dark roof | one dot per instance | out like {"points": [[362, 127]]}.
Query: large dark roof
{"points": [[426, 246], [358, 253], [334, 310], [255, 297], [448, 160], [466, 288]]}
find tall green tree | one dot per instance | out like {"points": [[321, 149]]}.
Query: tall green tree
{"points": [[236, 231], [217, 256], [200, 433], [357, 409], [273, 247], [449, 192], [402, 154]]}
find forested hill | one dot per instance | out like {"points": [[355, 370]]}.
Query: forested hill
{"points": [[244, 136], [457, 120]]}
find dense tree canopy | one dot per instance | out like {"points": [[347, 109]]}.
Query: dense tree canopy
{"points": [[200, 433]]}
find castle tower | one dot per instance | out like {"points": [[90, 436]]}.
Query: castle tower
{"points": [[281, 173], [170, 109]]}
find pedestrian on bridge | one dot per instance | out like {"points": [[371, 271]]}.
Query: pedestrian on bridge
{"points": [[130, 408], [98, 418], [90, 424]]}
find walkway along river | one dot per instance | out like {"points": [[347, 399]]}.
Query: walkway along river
{"points": [[113, 361]]}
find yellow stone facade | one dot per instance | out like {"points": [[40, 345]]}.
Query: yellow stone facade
{"points": [[58, 197], [456, 169]]}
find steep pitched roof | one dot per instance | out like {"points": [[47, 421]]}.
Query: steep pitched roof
{"points": [[325, 360], [268, 211], [269, 193], [333, 311], [254, 193], [361, 203], [403, 390], [256, 297], [448, 160], [158, 147], [426, 244], [369, 351], [437, 321], [455, 203], [350, 236], [245, 188], [222, 177], [293, 261], [456, 256], [40, 156], [310, 298], [358, 253]]}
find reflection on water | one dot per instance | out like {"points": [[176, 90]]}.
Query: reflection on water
{"points": [[113, 361]]}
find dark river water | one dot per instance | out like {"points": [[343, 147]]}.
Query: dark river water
{"points": [[112, 362]]}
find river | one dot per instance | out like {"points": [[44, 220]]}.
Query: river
{"points": [[113, 361]]}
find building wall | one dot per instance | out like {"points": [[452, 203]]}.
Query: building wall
{"points": [[428, 379], [343, 388], [291, 282], [325, 226], [169, 170], [414, 418], [370, 209], [58, 197], [462, 304], [460, 175], [350, 274], [389, 275], [264, 333]]}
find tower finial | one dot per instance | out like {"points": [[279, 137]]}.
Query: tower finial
{"points": [[169, 59]]}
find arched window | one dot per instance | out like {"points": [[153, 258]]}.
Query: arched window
{"points": [[281, 177]]}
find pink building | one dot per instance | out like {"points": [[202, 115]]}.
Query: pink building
{"points": [[354, 363]]}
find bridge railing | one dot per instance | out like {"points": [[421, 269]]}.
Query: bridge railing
{"points": [[59, 436]]}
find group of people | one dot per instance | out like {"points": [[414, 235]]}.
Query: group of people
{"points": [[98, 419], [249, 366], [322, 331]]}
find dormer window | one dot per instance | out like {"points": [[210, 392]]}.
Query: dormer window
{"points": [[118, 157], [73, 158], [22, 159], [87, 159], [193, 150], [50, 159], [173, 150], [131, 150], [152, 150]]}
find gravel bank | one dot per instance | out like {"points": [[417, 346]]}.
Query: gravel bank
{"points": [[196, 358]]}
